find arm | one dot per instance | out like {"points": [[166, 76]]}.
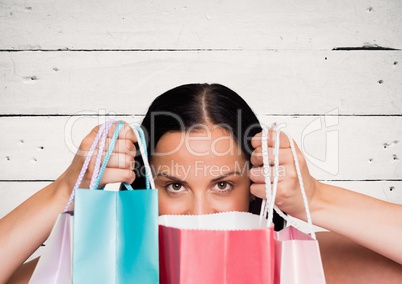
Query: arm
{"points": [[24, 229], [27, 227], [23, 273], [346, 262], [367, 221], [371, 222]]}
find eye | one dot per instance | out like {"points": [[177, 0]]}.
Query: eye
{"points": [[223, 186], [175, 187]]}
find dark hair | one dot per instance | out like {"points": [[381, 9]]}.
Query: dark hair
{"points": [[186, 106]]}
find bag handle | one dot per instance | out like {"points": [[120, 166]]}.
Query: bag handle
{"points": [[139, 133], [98, 172], [104, 128], [276, 177], [270, 193], [149, 180], [100, 139]]}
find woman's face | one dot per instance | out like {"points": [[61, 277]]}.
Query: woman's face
{"points": [[200, 172]]}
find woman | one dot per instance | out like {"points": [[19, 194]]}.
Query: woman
{"points": [[202, 140], [191, 116]]}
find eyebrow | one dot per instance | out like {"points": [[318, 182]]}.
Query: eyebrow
{"points": [[226, 175], [165, 175], [161, 174]]}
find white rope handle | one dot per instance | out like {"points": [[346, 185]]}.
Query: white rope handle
{"points": [[276, 171], [267, 174], [271, 196], [301, 184], [270, 193]]}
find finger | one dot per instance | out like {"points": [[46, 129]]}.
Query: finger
{"points": [[285, 156], [283, 139], [95, 130], [257, 158], [121, 161], [283, 193], [257, 174], [126, 132], [258, 190], [87, 142], [112, 175], [124, 146]]}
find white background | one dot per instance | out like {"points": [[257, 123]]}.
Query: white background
{"points": [[318, 66]]}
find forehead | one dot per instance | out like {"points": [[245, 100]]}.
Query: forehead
{"points": [[199, 142], [206, 152]]}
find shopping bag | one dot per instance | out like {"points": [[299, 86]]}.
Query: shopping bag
{"points": [[116, 232], [298, 258], [229, 247], [54, 265], [297, 254]]}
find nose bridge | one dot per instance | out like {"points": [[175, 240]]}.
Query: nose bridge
{"points": [[200, 204]]}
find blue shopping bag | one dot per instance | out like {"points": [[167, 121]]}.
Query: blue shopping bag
{"points": [[115, 236]]}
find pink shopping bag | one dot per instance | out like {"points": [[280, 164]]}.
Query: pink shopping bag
{"points": [[230, 247], [297, 254], [298, 258]]}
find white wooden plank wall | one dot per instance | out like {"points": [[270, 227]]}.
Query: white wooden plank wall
{"points": [[331, 70]]}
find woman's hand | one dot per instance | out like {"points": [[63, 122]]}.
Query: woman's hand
{"points": [[28, 226], [358, 217], [121, 163], [288, 198]]}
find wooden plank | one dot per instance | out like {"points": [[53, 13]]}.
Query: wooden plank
{"points": [[390, 191], [272, 82], [347, 148], [180, 24], [337, 148], [14, 193]]}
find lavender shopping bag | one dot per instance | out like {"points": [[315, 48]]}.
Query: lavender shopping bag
{"points": [[54, 266], [115, 236], [55, 263]]}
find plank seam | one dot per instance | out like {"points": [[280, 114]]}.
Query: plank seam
{"points": [[351, 48], [143, 114]]}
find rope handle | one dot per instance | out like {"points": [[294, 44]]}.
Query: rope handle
{"points": [[104, 128], [101, 147], [98, 174], [149, 180], [139, 133], [272, 195], [99, 169], [267, 175]]}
